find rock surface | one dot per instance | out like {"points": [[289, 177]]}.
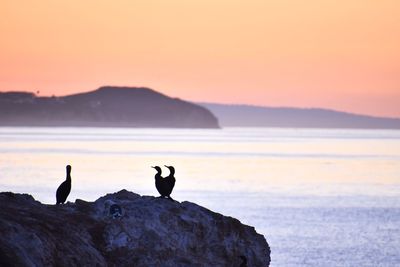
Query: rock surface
{"points": [[123, 229]]}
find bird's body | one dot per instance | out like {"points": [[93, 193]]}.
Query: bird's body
{"points": [[161, 184], [64, 189], [170, 180]]}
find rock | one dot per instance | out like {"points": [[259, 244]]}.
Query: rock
{"points": [[123, 229]]}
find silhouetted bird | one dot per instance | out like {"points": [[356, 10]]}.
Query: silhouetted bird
{"points": [[161, 184], [170, 180], [65, 188], [244, 261]]}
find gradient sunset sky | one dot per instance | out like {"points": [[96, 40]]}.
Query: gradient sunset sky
{"points": [[339, 54]]}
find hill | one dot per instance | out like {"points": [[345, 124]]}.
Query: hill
{"points": [[255, 116], [105, 107]]}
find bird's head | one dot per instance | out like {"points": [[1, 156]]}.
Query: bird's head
{"points": [[158, 169], [68, 168], [171, 169]]}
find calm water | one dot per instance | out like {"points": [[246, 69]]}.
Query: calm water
{"points": [[321, 197]]}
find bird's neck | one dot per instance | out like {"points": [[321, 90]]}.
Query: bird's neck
{"points": [[69, 176]]}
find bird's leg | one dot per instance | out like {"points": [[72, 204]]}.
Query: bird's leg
{"points": [[170, 198]]}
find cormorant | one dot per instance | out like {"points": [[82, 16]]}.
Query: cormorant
{"points": [[170, 180], [65, 188], [161, 184]]}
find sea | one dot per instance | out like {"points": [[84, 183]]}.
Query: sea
{"points": [[321, 197]]}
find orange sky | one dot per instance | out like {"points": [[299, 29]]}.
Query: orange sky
{"points": [[340, 54]]}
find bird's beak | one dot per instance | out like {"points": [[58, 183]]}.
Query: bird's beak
{"points": [[153, 167], [166, 166]]}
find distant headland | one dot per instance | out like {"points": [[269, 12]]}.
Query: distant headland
{"points": [[112, 106], [288, 117], [107, 106]]}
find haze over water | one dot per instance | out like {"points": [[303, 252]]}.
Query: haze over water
{"points": [[321, 197]]}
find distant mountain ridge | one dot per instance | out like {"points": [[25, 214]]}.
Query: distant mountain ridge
{"points": [[256, 116], [107, 106], [111, 106]]}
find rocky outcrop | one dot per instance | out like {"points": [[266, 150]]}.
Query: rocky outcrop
{"points": [[123, 229], [107, 106]]}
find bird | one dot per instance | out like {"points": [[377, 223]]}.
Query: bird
{"points": [[170, 180], [161, 184], [65, 188]]}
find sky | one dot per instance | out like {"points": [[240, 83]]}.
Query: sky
{"points": [[337, 54]]}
